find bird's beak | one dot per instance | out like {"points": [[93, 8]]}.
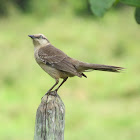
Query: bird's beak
{"points": [[31, 36]]}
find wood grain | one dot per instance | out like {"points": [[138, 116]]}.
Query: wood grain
{"points": [[50, 118]]}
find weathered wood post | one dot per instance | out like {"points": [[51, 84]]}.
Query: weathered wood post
{"points": [[50, 118]]}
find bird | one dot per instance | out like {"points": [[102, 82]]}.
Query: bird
{"points": [[59, 65]]}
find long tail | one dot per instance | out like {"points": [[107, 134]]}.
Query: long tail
{"points": [[87, 66]]}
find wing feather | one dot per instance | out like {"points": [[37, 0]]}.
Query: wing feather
{"points": [[57, 59]]}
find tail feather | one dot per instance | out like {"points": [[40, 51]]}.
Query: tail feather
{"points": [[87, 66]]}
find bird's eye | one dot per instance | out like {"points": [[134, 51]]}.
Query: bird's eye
{"points": [[40, 36]]}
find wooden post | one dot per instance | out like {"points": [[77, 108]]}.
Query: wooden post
{"points": [[50, 118]]}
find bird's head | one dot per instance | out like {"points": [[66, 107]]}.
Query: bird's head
{"points": [[39, 40]]}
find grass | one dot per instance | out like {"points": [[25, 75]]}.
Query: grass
{"points": [[103, 106]]}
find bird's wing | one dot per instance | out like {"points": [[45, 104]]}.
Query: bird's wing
{"points": [[51, 55], [54, 57]]}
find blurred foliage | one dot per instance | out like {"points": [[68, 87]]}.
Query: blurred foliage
{"points": [[47, 7], [101, 6], [135, 3], [3, 7], [137, 15], [22, 4], [79, 7]]}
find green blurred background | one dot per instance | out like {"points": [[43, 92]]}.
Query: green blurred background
{"points": [[105, 106]]}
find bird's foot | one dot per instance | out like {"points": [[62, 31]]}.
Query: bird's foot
{"points": [[56, 91], [46, 94], [53, 93]]}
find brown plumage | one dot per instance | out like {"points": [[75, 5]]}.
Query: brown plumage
{"points": [[58, 65]]}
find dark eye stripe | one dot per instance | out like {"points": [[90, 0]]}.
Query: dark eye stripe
{"points": [[42, 37], [39, 36]]}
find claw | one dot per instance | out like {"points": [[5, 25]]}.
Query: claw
{"points": [[47, 93], [53, 93]]}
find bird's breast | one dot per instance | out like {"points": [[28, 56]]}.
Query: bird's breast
{"points": [[54, 73]]}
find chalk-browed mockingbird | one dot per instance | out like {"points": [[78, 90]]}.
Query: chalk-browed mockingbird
{"points": [[58, 65]]}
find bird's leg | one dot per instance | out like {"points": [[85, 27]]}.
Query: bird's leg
{"points": [[61, 84], [57, 81]]}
